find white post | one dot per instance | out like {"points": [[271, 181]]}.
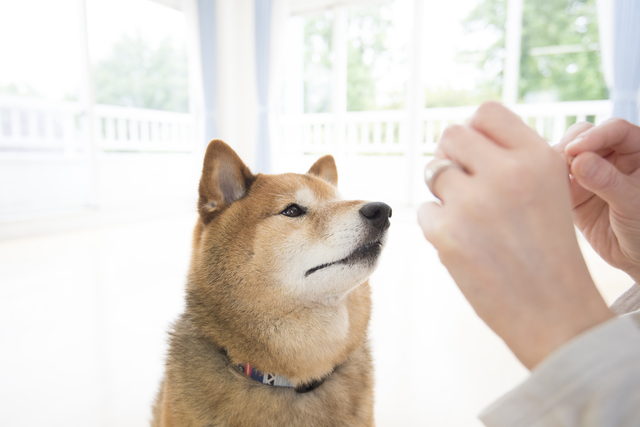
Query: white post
{"points": [[339, 74], [88, 103], [279, 50], [513, 41], [294, 67], [415, 99], [196, 90], [293, 86]]}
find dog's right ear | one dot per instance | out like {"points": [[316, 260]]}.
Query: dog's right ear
{"points": [[325, 168], [225, 179]]}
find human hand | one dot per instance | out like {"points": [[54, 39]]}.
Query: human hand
{"points": [[605, 189], [505, 232]]}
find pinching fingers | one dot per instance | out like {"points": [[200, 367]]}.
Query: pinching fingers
{"points": [[612, 135], [602, 178], [571, 133]]}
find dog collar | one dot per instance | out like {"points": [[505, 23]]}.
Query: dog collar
{"points": [[277, 380]]}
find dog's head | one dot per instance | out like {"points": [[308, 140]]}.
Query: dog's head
{"points": [[289, 235]]}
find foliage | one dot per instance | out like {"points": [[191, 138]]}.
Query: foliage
{"points": [[487, 16], [139, 75], [19, 89], [568, 76], [317, 64], [573, 76], [368, 33], [367, 44], [448, 97]]}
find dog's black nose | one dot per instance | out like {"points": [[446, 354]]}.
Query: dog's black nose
{"points": [[378, 213]]}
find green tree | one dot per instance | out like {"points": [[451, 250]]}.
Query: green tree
{"points": [[571, 73], [19, 89], [367, 36], [368, 31], [136, 74], [317, 64]]}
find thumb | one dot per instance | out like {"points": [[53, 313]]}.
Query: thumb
{"points": [[604, 180]]}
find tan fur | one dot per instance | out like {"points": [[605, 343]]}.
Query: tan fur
{"points": [[240, 308]]}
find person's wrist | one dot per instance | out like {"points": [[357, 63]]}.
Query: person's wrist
{"points": [[540, 336]]}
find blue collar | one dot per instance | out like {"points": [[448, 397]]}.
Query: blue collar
{"points": [[277, 380]]}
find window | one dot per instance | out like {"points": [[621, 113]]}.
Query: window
{"points": [[138, 53], [464, 53], [377, 56], [560, 53], [36, 66]]}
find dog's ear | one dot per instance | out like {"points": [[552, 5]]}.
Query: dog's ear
{"points": [[225, 178], [325, 168]]}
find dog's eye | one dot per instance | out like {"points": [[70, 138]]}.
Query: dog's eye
{"points": [[292, 211]]}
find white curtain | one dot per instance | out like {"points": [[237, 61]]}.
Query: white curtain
{"points": [[626, 59], [605, 31], [280, 13], [236, 77], [207, 24], [263, 50]]}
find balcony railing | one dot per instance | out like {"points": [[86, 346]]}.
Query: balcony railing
{"points": [[385, 132], [34, 124], [136, 129], [31, 124]]}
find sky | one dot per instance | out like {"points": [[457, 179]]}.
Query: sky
{"points": [[40, 39]]}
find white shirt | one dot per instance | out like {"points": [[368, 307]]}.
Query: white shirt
{"points": [[593, 380]]}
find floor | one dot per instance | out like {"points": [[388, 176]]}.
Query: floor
{"points": [[84, 315]]}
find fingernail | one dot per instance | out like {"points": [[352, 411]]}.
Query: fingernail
{"points": [[588, 167], [573, 143]]}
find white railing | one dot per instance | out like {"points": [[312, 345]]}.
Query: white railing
{"points": [[28, 124], [361, 131], [136, 129], [34, 124], [385, 132]]}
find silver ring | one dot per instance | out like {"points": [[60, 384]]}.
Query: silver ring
{"points": [[434, 169]]}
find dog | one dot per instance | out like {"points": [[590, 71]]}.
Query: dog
{"points": [[274, 331]]}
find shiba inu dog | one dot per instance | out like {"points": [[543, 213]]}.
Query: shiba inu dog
{"points": [[274, 331]]}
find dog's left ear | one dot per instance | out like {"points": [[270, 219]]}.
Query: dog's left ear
{"points": [[225, 179], [325, 168]]}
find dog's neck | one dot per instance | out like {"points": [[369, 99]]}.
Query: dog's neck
{"points": [[300, 343]]}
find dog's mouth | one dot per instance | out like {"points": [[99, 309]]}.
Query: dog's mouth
{"points": [[367, 252]]}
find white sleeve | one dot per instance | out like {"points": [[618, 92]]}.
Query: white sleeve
{"points": [[592, 381]]}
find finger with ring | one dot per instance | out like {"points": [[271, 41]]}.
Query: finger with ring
{"points": [[434, 169]]}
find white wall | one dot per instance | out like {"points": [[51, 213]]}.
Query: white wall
{"points": [[39, 183], [236, 102], [48, 193], [144, 179]]}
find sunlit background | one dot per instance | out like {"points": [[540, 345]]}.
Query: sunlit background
{"points": [[106, 107]]}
